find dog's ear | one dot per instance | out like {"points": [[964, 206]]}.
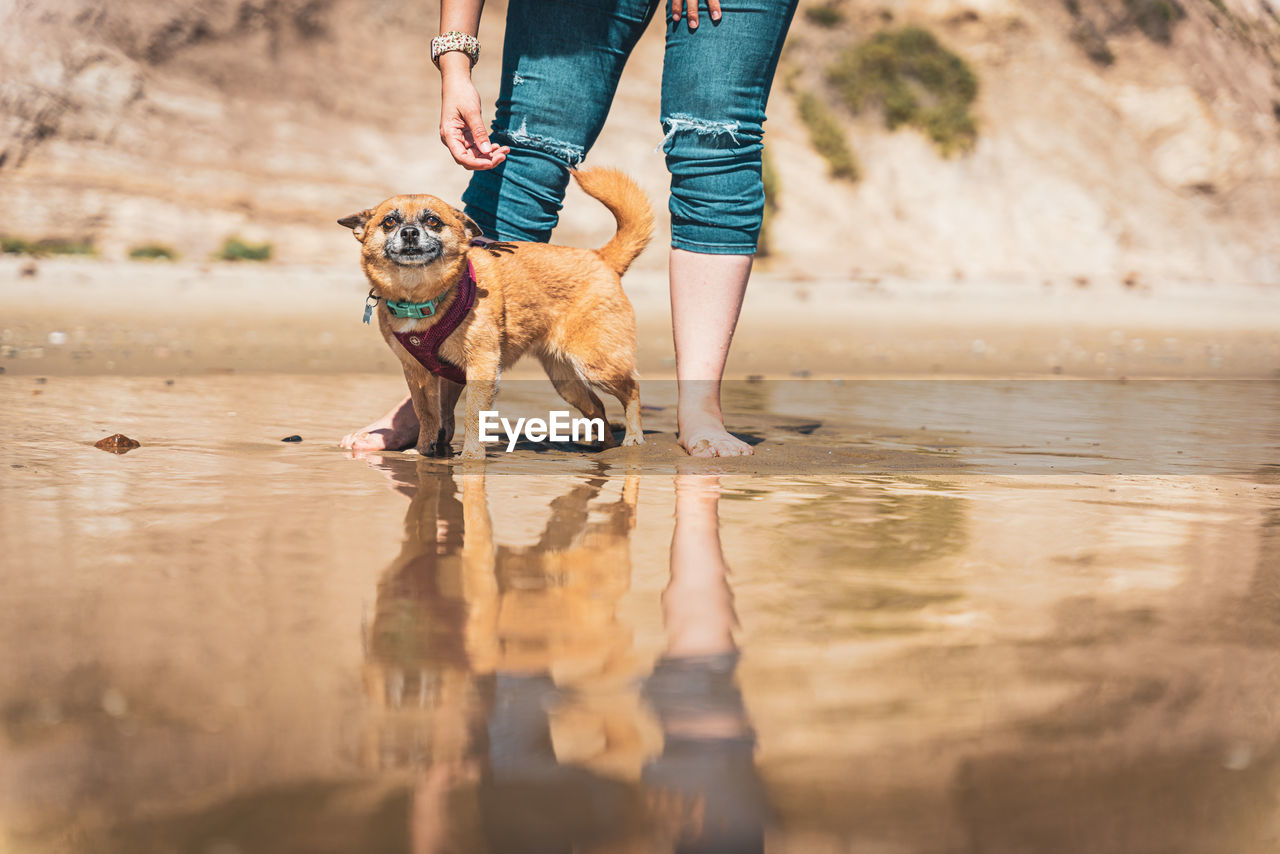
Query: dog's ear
{"points": [[473, 230], [356, 222]]}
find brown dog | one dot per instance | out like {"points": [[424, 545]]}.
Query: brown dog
{"points": [[564, 305]]}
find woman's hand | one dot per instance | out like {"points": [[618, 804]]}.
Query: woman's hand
{"points": [[461, 124], [677, 7]]}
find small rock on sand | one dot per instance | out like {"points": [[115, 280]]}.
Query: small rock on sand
{"points": [[294, 438], [117, 443]]}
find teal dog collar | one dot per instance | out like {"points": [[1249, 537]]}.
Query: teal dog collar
{"points": [[415, 309]]}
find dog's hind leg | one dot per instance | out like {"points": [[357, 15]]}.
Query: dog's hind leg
{"points": [[627, 389], [570, 386], [620, 382]]}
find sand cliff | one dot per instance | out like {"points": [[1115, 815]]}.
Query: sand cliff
{"points": [[184, 122]]}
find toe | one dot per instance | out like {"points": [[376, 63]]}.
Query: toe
{"points": [[358, 442], [376, 441], [718, 444], [699, 448]]}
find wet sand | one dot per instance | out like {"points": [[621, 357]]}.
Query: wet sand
{"points": [[990, 609]]}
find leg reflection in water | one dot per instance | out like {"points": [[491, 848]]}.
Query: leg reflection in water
{"points": [[703, 789], [505, 680]]}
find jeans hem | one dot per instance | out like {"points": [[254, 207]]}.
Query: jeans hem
{"points": [[714, 248]]}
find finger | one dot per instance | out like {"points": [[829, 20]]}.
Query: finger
{"points": [[469, 142], [461, 152], [476, 129], [453, 141], [713, 6], [495, 153], [676, 6], [481, 160], [457, 138], [693, 14], [487, 159]]}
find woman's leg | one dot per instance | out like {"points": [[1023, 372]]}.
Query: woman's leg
{"points": [[560, 67], [715, 85], [706, 296]]}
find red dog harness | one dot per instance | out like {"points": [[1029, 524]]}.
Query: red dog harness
{"points": [[425, 346]]}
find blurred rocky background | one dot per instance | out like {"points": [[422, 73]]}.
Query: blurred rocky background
{"points": [[1124, 141]]}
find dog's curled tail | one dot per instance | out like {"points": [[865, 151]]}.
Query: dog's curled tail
{"points": [[629, 206]]}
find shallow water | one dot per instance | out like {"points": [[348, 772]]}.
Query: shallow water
{"points": [[926, 617]]}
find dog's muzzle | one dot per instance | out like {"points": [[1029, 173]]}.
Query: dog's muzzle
{"points": [[411, 245]]}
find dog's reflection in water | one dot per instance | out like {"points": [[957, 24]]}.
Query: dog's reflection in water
{"points": [[505, 681]]}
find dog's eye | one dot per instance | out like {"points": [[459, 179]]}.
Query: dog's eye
{"points": [[432, 221], [389, 221]]}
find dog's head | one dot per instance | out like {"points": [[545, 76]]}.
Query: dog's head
{"points": [[409, 240]]}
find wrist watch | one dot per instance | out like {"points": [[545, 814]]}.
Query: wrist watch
{"points": [[455, 40]]}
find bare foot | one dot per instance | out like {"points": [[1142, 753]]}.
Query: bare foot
{"points": [[395, 431], [705, 436]]}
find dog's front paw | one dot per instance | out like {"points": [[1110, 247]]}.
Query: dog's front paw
{"points": [[473, 452], [632, 439], [439, 448]]}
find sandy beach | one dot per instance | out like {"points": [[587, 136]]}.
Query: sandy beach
{"points": [[1002, 575], [177, 319]]}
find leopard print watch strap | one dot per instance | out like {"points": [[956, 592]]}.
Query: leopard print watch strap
{"points": [[455, 40]]}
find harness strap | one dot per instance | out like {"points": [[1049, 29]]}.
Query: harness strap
{"points": [[425, 346]]}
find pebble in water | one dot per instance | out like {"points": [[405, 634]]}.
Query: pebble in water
{"points": [[117, 443]]}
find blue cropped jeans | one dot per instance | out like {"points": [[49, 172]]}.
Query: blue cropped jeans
{"points": [[560, 67]]}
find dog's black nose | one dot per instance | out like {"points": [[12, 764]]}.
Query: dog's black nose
{"points": [[410, 234]]}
